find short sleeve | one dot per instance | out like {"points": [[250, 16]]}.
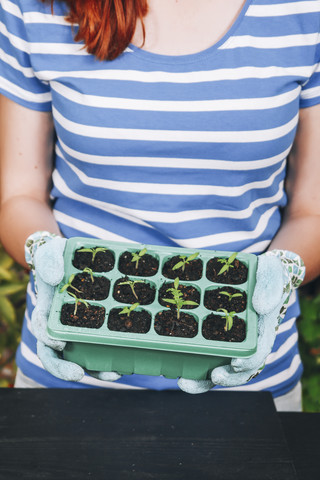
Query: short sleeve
{"points": [[310, 93], [18, 80]]}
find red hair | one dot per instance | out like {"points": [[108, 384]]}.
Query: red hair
{"points": [[105, 26]]}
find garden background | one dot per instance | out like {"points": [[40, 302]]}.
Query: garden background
{"points": [[13, 282]]}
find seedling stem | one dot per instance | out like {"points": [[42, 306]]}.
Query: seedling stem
{"points": [[136, 256], [94, 251], [69, 285], [177, 298], [130, 309], [132, 284], [228, 318], [230, 295], [77, 301], [227, 263], [185, 260], [89, 270]]}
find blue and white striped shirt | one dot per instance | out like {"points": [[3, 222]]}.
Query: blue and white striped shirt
{"points": [[170, 150]]}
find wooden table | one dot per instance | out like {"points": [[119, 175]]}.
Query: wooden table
{"points": [[112, 434]]}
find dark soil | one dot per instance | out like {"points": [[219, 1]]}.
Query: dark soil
{"points": [[137, 322], [237, 273], [147, 266], [103, 262], [192, 270], [166, 323], [214, 299], [96, 290], [213, 329], [144, 291], [189, 293], [88, 317]]}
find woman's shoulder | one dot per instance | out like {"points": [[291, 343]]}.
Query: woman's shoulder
{"points": [[287, 7], [27, 7], [34, 21], [300, 16]]}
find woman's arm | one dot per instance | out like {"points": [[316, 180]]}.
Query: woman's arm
{"points": [[26, 146], [300, 230]]}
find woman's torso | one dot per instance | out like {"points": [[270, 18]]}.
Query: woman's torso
{"points": [[185, 150]]}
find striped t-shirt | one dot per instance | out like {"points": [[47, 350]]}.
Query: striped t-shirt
{"points": [[170, 150]]}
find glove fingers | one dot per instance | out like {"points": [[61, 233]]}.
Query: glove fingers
{"points": [[226, 377], [269, 287], [266, 337], [57, 366], [105, 376], [194, 386], [44, 296], [48, 261], [39, 329]]}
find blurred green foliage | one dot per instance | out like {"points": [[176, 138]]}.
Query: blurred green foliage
{"points": [[309, 344], [13, 282]]}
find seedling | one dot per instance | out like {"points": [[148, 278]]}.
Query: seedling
{"points": [[185, 260], [132, 284], [93, 251], [177, 298], [227, 263], [231, 296], [136, 256], [69, 285], [89, 270], [128, 310], [228, 317], [77, 301]]}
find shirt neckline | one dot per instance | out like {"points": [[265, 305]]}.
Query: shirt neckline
{"points": [[192, 57]]}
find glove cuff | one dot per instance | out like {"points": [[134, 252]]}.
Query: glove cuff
{"points": [[294, 272], [33, 242], [294, 268]]}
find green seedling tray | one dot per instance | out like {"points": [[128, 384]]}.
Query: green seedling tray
{"points": [[150, 353]]}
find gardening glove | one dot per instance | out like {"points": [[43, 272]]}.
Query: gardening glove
{"points": [[279, 272], [44, 255]]}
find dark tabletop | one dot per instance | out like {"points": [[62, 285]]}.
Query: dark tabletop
{"points": [[119, 434]]}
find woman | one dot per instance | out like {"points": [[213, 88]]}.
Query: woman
{"points": [[173, 121]]}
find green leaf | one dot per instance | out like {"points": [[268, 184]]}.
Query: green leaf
{"points": [[176, 282], [192, 257], [7, 311], [11, 288], [6, 261], [178, 265], [169, 300], [128, 310], [232, 257], [190, 302], [5, 274], [223, 269], [96, 251], [223, 310]]}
